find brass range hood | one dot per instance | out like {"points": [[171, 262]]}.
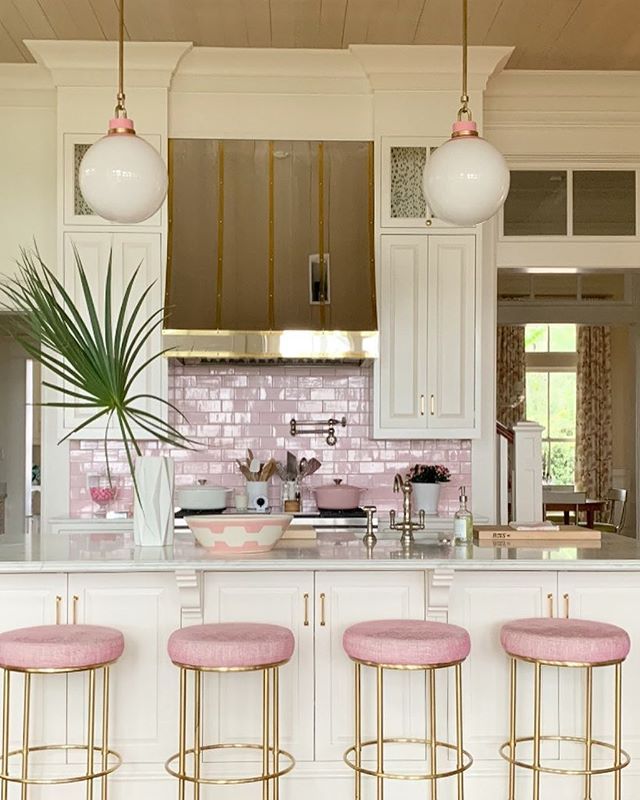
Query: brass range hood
{"points": [[271, 251]]}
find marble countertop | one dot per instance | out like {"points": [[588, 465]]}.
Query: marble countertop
{"points": [[343, 550]]}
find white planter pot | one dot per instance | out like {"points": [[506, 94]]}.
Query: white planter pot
{"points": [[425, 497], [153, 513]]}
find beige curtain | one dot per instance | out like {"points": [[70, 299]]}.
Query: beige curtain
{"points": [[510, 385], [594, 433]]}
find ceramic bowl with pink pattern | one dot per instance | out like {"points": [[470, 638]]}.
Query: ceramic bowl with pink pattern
{"points": [[239, 533]]}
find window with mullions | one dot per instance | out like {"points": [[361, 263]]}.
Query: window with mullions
{"points": [[550, 353]]}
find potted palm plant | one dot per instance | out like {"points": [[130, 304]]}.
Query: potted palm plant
{"points": [[97, 361], [425, 482]]}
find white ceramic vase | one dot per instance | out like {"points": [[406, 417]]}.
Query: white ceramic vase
{"points": [[425, 497], [153, 512]]}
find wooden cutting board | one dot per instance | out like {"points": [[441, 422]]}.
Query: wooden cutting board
{"points": [[567, 533]]}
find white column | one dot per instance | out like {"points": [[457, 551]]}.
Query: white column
{"points": [[527, 489]]}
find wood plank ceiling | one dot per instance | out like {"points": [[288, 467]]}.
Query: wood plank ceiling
{"points": [[547, 34]]}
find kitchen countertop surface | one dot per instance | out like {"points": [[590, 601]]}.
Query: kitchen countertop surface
{"points": [[340, 550]]}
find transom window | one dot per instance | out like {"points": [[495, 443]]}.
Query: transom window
{"points": [[551, 396]]}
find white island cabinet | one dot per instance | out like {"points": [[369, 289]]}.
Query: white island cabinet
{"points": [[318, 589]]}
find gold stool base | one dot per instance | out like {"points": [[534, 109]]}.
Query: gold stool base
{"points": [[223, 781], [624, 761], [98, 754], [406, 776]]}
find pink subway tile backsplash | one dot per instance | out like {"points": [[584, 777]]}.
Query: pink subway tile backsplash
{"points": [[233, 407]]}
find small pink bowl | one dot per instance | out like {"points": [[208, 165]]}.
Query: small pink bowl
{"points": [[239, 533]]}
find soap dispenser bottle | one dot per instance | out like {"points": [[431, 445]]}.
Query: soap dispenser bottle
{"points": [[463, 521]]}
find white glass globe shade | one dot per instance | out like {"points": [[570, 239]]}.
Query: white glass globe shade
{"points": [[123, 178], [465, 181]]}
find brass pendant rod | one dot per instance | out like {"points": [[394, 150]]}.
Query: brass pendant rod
{"points": [[464, 97], [121, 111]]}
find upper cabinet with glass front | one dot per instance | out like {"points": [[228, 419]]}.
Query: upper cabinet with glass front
{"points": [[402, 201], [571, 203]]}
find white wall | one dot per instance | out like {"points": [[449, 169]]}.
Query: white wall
{"points": [[12, 431], [28, 148]]}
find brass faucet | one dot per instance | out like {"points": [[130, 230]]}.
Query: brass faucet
{"points": [[407, 526]]}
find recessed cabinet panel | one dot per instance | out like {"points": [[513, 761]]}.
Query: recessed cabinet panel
{"points": [[27, 600], [536, 204], [144, 682], [612, 598], [129, 251], [604, 203], [233, 702], [482, 603], [403, 331], [351, 597], [451, 332]]}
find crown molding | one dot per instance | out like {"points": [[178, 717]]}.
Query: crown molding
{"points": [[82, 63], [359, 69]]}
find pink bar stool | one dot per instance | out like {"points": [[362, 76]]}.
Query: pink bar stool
{"points": [[407, 645], [55, 649], [231, 647], [571, 644]]}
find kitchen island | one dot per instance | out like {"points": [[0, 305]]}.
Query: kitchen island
{"points": [[318, 588]]}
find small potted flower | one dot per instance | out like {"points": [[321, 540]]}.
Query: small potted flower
{"points": [[425, 482]]}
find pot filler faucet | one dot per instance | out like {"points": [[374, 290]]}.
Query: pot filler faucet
{"points": [[407, 526]]}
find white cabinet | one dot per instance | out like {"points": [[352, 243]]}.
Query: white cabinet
{"points": [[27, 600], [425, 381], [342, 599], [482, 602], [234, 700], [129, 251], [144, 682], [605, 597], [403, 203]]}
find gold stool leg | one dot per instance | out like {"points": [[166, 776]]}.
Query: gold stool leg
{"points": [[276, 733], [380, 732], [26, 708], [105, 729], [618, 731], [182, 734], [459, 753], [91, 731], [265, 734], [358, 737], [536, 731], [6, 695], [432, 733], [197, 733], [588, 735], [512, 727]]}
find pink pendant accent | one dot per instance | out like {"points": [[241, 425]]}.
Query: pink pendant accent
{"points": [[463, 126], [121, 123]]}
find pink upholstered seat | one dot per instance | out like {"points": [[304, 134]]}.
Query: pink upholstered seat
{"points": [[231, 644], [565, 640], [60, 647], [406, 641]]}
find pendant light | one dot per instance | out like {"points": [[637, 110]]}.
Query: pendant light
{"points": [[466, 180], [122, 177]]}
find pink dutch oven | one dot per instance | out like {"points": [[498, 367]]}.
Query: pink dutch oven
{"points": [[338, 496]]}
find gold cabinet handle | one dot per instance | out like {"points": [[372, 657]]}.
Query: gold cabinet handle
{"points": [[422, 405], [432, 404], [306, 609], [550, 602], [58, 604], [323, 621], [74, 610], [565, 597]]}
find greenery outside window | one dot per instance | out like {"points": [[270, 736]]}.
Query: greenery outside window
{"points": [[550, 353]]}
